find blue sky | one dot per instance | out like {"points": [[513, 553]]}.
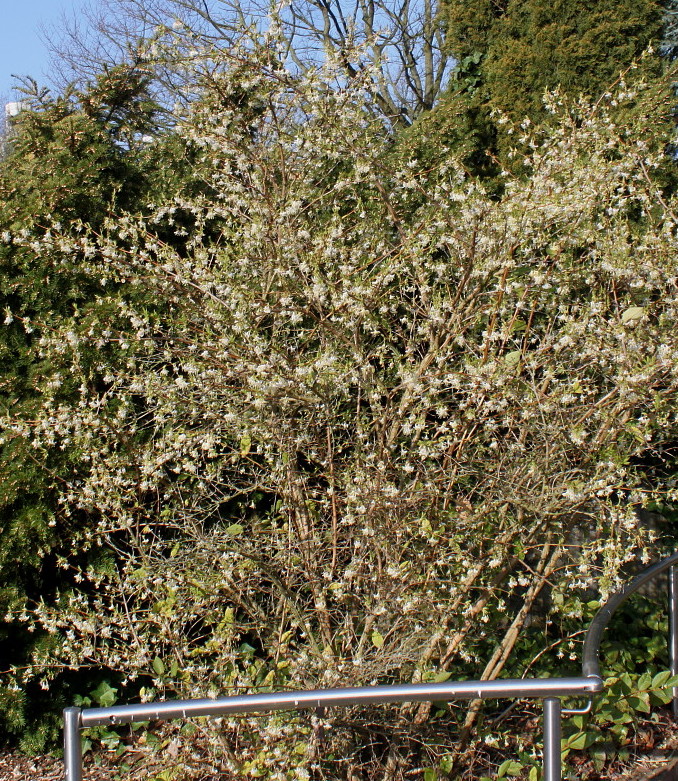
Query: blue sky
{"points": [[21, 50]]}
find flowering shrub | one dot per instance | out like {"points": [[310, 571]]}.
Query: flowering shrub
{"points": [[367, 412]]}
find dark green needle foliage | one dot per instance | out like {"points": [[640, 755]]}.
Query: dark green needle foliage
{"points": [[511, 52], [68, 161]]}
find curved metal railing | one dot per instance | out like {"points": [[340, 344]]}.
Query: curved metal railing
{"points": [[549, 690], [590, 664]]}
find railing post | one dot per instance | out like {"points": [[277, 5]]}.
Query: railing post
{"points": [[552, 761], [673, 632], [72, 744]]}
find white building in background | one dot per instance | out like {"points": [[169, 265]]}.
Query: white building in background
{"points": [[14, 108]]}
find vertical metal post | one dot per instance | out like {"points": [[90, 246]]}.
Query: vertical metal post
{"points": [[552, 762], [673, 632], [72, 744]]}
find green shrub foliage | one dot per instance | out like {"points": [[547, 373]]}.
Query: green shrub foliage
{"points": [[510, 53]]}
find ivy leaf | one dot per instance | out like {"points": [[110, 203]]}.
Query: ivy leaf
{"points": [[105, 695], [377, 639]]}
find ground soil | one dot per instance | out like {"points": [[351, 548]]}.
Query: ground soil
{"points": [[660, 766], [655, 758], [14, 767], [102, 767]]}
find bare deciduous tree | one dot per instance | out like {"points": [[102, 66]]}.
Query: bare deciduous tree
{"points": [[402, 38]]}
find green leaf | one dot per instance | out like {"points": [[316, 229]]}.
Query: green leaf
{"points": [[158, 666], [640, 702], [513, 358], [442, 677], [579, 741], [660, 679], [165, 775], [430, 774], [235, 529], [245, 444], [632, 315], [600, 755], [509, 768], [110, 739], [626, 684], [104, 694], [446, 764], [660, 696], [377, 639]]}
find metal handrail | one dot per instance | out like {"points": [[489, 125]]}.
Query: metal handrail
{"points": [[591, 650], [550, 690], [504, 688], [590, 663]]}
